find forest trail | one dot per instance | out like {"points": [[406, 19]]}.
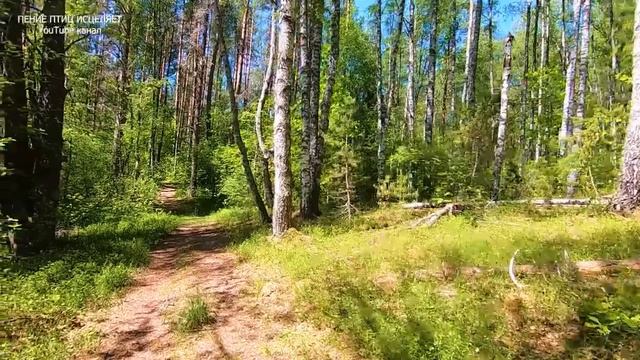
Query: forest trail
{"points": [[191, 261]]}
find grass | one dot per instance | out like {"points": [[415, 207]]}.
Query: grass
{"points": [[42, 295], [194, 316], [397, 293]]}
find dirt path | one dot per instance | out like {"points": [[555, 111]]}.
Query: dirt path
{"points": [[249, 324]]}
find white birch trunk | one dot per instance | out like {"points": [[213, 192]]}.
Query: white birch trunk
{"points": [[471, 61], [502, 122], [628, 196], [410, 109], [566, 127], [282, 123]]}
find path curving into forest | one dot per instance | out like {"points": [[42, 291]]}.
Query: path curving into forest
{"points": [[193, 260]]}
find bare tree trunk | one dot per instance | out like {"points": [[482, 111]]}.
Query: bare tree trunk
{"points": [[410, 108], [266, 85], [308, 135], [471, 61], [323, 125], [235, 124], [502, 123], [431, 86], [563, 39], [566, 127], [628, 196], [544, 62], [282, 123], [393, 57], [380, 100]]}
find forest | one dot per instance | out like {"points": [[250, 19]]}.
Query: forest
{"points": [[253, 179]]}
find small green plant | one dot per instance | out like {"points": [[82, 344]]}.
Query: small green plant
{"points": [[194, 316]]}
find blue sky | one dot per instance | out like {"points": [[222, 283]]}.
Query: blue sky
{"points": [[504, 16]]}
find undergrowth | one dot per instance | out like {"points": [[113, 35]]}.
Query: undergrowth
{"points": [[402, 293], [41, 295]]}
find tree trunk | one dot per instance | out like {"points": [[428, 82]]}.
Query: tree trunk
{"points": [[282, 123], [323, 125], [380, 100], [309, 129], [266, 85], [123, 93], [544, 62], [628, 196], [393, 56], [490, 4], [502, 123], [614, 58], [410, 109], [16, 190], [524, 95], [449, 92], [235, 123], [471, 62], [431, 76], [566, 127], [50, 117], [574, 175]]}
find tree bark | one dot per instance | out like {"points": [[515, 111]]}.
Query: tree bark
{"points": [[524, 109], [282, 123], [502, 122], [449, 92], [471, 62], [628, 196], [309, 128], [323, 125], [431, 76], [235, 124], [266, 85]]}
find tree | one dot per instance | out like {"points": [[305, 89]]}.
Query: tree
{"points": [[235, 124], [471, 60], [323, 126], [282, 123], [410, 109], [431, 75], [124, 90], [48, 144], [15, 172], [380, 101], [566, 127], [502, 122], [393, 56], [266, 85], [628, 195]]}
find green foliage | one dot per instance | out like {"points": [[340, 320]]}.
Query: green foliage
{"points": [[43, 294], [194, 316], [614, 314]]}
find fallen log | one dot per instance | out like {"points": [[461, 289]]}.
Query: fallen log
{"points": [[584, 268], [432, 218], [421, 205], [534, 202]]}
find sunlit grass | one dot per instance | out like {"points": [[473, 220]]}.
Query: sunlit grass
{"points": [[399, 293]]}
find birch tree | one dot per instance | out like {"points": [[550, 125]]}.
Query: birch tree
{"points": [[566, 128], [628, 195], [502, 122], [282, 123], [380, 100], [431, 76], [410, 109], [471, 58], [266, 85], [393, 56]]}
